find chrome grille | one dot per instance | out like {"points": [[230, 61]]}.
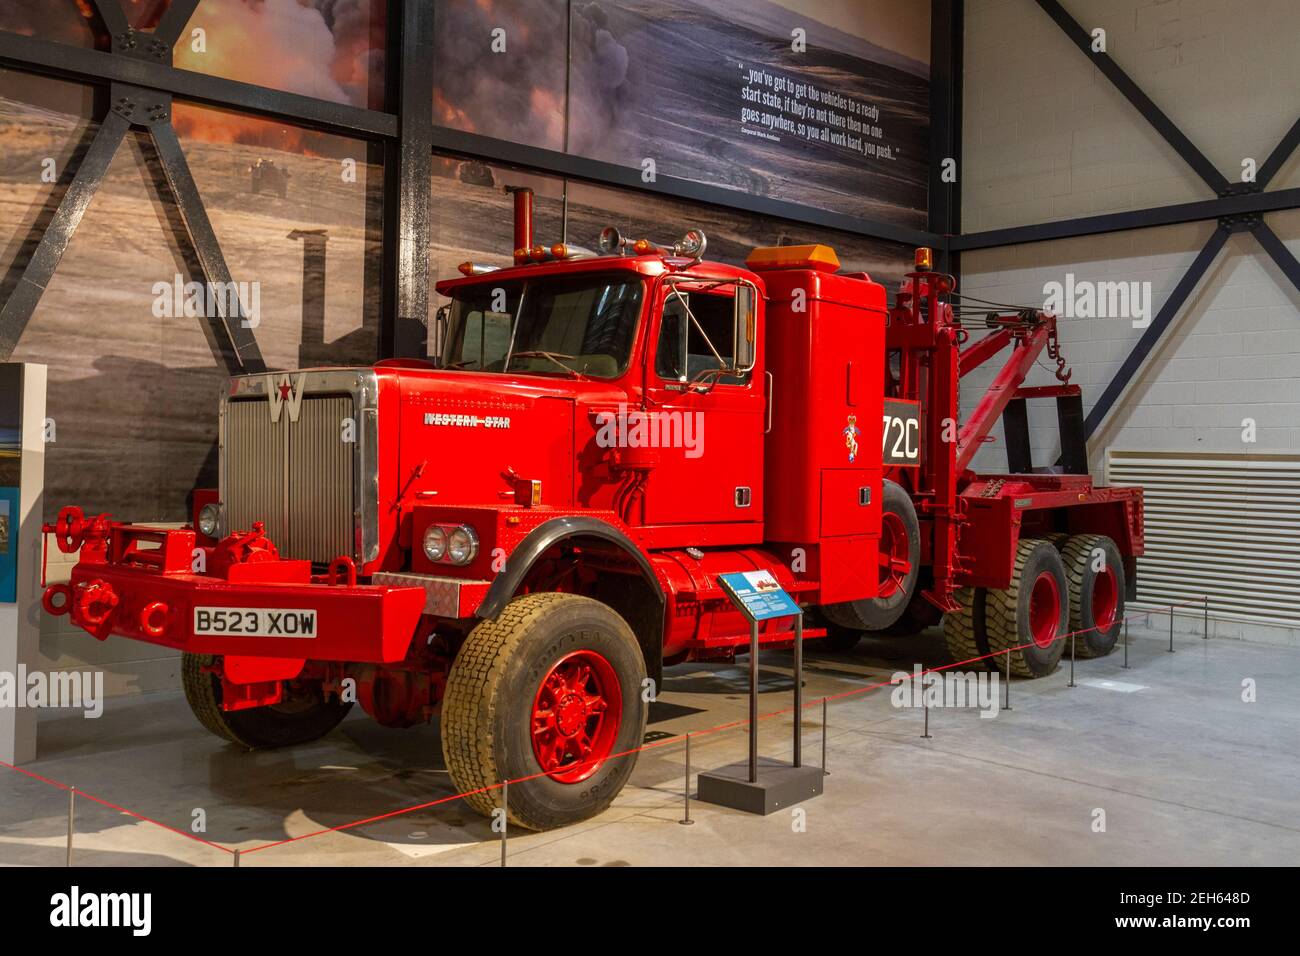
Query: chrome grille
{"points": [[295, 476]]}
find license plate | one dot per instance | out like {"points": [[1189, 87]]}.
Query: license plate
{"points": [[255, 621]]}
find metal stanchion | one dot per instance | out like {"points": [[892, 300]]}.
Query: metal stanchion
{"points": [[72, 809], [236, 858], [925, 708], [798, 690], [1126, 644], [1205, 620], [1071, 684], [825, 772], [1171, 629], [505, 817], [686, 786], [753, 702]]}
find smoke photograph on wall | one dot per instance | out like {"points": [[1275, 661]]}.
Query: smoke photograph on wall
{"points": [[823, 103]]}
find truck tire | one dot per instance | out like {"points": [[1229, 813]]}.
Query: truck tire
{"points": [[307, 716], [919, 615], [964, 630], [1029, 617], [841, 638], [1096, 597], [899, 562], [548, 696]]}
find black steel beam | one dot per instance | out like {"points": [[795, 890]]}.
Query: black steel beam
{"points": [[1143, 103], [474, 145], [96, 66], [1281, 153], [38, 271], [408, 172], [206, 247], [1155, 330], [110, 12], [946, 34], [174, 20], [1199, 211], [1279, 253]]}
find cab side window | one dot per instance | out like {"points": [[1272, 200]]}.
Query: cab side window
{"points": [[715, 315]]}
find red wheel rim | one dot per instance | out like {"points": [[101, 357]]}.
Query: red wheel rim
{"points": [[895, 557], [576, 716], [1105, 598], [1044, 609]]}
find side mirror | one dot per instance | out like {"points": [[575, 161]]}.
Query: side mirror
{"points": [[746, 325]]}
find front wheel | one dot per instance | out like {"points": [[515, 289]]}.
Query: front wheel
{"points": [[305, 714], [549, 697]]}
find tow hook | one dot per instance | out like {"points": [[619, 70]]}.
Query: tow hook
{"points": [[95, 603], [47, 599], [153, 619], [343, 563]]}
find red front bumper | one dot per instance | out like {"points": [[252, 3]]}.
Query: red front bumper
{"points": [[151, 595]]}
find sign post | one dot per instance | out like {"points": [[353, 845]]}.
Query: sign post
{"points": [[759, 596]]}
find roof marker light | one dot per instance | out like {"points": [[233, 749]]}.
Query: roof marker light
{"points": [[818, 257]]}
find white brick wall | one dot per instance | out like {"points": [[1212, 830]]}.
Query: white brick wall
{"points": [[1048, 137]]}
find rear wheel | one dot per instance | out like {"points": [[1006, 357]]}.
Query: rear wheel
{"points": [[898, 560], [304, 715], [964, 630], [548, 695], [1028, 618], [1095, 571]]}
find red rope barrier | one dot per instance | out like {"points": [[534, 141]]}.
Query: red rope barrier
{"points": [[652, 745]]}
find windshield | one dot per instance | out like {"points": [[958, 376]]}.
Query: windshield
{"points": [[559, 325]]}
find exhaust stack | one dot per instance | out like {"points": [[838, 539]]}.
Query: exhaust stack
{"points": [[523, 221]]}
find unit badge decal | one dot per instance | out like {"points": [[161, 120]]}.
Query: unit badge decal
{"points": [[851, 433]]}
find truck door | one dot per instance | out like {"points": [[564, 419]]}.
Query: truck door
{"points": [[714, 473]]}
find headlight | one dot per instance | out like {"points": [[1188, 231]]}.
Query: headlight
{"points": [[435, 542], [462, 545], [210, 519]]}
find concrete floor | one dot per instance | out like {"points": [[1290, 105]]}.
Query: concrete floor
{"points": [[1186, 772]]}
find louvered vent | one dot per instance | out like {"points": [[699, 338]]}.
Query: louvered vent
{"points": [[1223, 525]]}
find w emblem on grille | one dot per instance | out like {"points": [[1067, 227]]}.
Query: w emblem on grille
{"points": [[282, 390]]}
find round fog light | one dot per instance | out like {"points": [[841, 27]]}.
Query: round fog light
{"points": [[435, 542], [462, 546], [209, 519]]}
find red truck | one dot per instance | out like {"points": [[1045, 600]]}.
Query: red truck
{"points": [[519, 536]]}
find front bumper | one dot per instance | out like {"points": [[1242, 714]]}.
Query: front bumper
{"points": [[361, 622], [124, 587]]}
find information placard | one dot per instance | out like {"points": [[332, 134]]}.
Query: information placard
{"points": [[758, 594]]}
